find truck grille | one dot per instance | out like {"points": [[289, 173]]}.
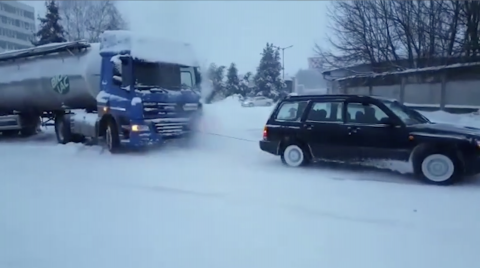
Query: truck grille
{"points": [[171, 126], [154, 109]]}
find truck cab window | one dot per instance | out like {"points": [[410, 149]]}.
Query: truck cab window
{"points": [[187, 79], [156, 75], [117, 74]]}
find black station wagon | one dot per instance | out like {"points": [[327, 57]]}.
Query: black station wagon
{"points": [[352, 128]]}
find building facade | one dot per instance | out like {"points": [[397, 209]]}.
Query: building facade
{"points": [[17, 25]]}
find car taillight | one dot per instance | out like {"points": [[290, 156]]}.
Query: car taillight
{"points": [[265, 133]]}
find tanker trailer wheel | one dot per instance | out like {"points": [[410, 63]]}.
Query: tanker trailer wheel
{"points": [[31, 126], [9, 133], [112, 138], [62, 129]]}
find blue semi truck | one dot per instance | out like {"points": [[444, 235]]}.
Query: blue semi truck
{"points": [[127, 90]]}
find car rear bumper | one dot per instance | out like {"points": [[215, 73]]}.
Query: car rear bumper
{"points": [[269, 147]]}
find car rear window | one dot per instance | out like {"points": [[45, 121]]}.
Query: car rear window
{"points": [[291, 111]]}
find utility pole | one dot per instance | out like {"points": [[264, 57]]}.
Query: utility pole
{"points": [[283, 59]]}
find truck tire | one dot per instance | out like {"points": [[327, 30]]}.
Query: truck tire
{"points": [[62, 129], [9, 133], [28, 131], [438, 168], [31, 126], [112, 138]]}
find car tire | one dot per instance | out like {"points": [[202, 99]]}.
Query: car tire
{"points": [[250, 105], [269, 104], [295, 156], [438, 168]]}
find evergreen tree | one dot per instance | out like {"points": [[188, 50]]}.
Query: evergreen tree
{"points": [[233, 82], [268, 80], [50, 29], [245, 88]]}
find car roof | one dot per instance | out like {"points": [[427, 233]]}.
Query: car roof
{"points": [[335, 97]]}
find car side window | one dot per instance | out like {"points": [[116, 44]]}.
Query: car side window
{"points": [[364, 114], [291, 111], [324, 112]]}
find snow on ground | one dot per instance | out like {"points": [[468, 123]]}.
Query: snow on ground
{"points": [[222, 203]]}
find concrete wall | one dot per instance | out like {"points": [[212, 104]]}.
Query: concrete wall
{"points": [[464, 93], [438, 93]]}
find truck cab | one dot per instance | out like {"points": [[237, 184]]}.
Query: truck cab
{"points": [[144, 98]]}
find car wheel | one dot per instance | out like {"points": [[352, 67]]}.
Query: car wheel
{"points": [[438, 169], [294, 156], [250, 104], [269, 104]]}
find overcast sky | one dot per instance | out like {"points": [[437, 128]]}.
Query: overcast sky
{"points": [[231, 31]]}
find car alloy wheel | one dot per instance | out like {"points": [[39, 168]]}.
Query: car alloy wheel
{"points": [[293, 156], [438, 168]]}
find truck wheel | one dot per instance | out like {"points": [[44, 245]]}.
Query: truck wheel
{"points": [[28, 131], [31, 126], [112, 139], [62, 129], [295, 156], [438, 168]]}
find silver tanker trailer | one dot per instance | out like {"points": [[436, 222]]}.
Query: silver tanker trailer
{"points": [[126, 90]]}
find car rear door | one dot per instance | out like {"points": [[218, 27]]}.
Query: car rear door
{"points": [[325, 130]]}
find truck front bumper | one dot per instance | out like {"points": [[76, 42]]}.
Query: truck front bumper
{"points": [[141, 135]]}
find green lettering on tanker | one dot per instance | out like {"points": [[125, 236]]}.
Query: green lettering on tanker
{"points": [[60, 84]]}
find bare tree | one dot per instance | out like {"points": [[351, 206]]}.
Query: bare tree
{"points": [[470, 13], [86, 20], [351, 42], [396, 33]]}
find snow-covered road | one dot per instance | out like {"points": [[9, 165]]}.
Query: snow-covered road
{"points": [[222, 204]]}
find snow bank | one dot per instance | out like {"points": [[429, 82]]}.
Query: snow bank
{"points": [[472, 120], [229, 118], [148, 48]]}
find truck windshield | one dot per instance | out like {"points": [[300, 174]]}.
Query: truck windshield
{"points": [[408, 115], [156, 75]]}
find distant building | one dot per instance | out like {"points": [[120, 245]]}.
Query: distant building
{"points": [[17, 25]]}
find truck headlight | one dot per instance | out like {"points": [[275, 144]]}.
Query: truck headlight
{"points": [[138, 128]]}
